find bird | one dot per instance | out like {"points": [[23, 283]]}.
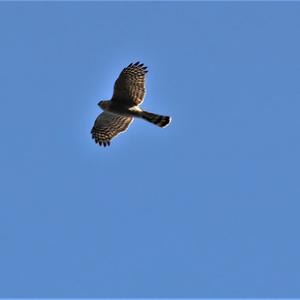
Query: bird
{"points": [[120, 111]]}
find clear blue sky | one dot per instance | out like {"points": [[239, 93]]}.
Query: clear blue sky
{"points": [[207, 207]]}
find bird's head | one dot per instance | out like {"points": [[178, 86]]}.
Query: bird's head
{"points": [[104, 104]]}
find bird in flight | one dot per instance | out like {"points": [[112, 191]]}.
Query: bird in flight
{"points": [[119, 112]]}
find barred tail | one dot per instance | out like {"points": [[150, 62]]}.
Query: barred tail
{"points": [[161, 121]]}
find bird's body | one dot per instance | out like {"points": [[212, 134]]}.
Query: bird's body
{"points": [[129, 92], [116, 108]]}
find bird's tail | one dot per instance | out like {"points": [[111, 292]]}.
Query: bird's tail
{"points": [[161, 121]]}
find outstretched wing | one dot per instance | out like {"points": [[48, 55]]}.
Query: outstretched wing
{"points": [[107, 126], [130, 88]]}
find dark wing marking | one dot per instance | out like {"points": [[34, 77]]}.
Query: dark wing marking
{"points": [[107, 126], [130, 86]]}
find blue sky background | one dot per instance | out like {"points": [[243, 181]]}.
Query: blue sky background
{"points": [[208, 207]]}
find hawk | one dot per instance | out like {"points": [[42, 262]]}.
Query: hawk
{"points": [[119, 112]]}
